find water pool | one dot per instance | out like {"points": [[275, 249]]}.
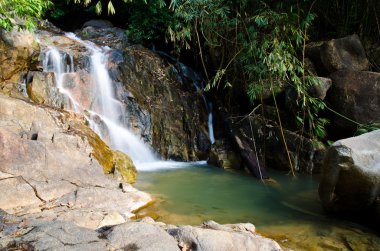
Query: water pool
{"points": [[287, 209]]}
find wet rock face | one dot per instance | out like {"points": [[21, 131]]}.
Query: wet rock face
{"points": [[350, 184], [356, 95], [223, 155], [178, 128], [112, 37], [42, 89], [166, 112]]}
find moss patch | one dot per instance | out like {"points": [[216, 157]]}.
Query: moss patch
{"points": [[113, 162]]}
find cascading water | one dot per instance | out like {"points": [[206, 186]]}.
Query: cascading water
{"points": [[105, 113], [210, 124], [55, 62], [104, 106]]}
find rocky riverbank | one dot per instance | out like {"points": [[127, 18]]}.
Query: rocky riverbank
{"points": [[61, 186], [35, 234], [60, 199]]}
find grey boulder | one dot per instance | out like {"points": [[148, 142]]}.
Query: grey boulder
{"points": [[350, 184]]}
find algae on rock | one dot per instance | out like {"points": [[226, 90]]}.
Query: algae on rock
{"points": [[113, 162]]}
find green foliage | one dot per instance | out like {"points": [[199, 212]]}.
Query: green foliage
{"points": [[206, 16], [22, 13], [110, 6], [99, 6], [270, 59], [148, 21], [367, 128], [260, 45]]}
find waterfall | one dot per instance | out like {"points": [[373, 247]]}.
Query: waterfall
{"points": [[210, 125], [54, 62], [188, 73], [105, 109]]}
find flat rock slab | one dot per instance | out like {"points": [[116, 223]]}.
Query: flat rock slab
{"points": [[140, 236], [30, 234], [212, 236], [47, 170]]}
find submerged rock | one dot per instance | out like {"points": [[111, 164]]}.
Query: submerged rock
{"points": [[350, 184]]}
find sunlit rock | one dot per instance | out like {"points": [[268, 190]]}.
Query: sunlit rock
{"points": [[350, 182]]}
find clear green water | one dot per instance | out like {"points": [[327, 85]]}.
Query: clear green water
{"points": [[212, 193], [281, 210]]}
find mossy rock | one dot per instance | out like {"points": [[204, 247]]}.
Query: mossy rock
{"points": [[124, 166], [113, 162], [34, 96]]}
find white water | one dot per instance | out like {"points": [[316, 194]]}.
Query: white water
{"points": [[210, 125], [105, 107], [198, 84], [55, 62]]}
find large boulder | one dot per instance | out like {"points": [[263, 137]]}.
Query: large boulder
{"points": [[98, 23], [265, 137], [355, 95], [345, 53], [114, 37], [224, 155], [140, 236], [212, 236], [53, 166], [317, 90], [350, 183], [18, 51], [42, 89]]}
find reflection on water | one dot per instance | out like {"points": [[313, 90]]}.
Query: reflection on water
{"points": [[288, 210]]}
